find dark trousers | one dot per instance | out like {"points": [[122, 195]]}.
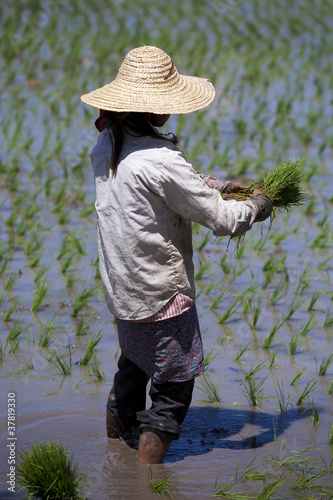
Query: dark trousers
{"points": [[127, 400]]}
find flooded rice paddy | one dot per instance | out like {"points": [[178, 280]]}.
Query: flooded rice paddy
{"points": [[261, 421]]}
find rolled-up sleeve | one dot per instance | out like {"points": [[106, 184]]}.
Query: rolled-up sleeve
{"points": [[187, 194]]}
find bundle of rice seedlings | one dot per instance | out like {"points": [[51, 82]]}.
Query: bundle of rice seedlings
{"points": [[282, 185], [48, 473]]}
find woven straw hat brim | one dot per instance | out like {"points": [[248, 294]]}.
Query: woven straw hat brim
{"points": [[187, 94], [148, 82]]}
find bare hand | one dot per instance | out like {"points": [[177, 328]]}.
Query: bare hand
{"points": [[255, 192], [235, 187]]}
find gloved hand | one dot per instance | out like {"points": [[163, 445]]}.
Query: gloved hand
{"points": [[264, 204]]}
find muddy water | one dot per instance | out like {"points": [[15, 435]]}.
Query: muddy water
{"points": [[216, 440]]}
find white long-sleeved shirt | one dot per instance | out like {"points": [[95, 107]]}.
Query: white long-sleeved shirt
{"points": [[144, 216]]}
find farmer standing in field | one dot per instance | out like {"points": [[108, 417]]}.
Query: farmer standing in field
{"points": [[147, 195]]}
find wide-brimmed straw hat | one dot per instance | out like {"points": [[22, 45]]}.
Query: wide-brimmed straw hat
{"points": [[148, 82]]}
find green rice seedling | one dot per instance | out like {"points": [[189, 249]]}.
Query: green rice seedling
{"points": [[27, 366], [314, 298], [94, 371], [9, 285], [226, 267], [33, 244], [310, 386], [330, 389], [313, 411], [12, 219], [203, 268], [209, 358], [216, 302], [41, 274], [270, 337], [254, 307], [22, 227], [47, 332], [40, 293], [5, 262], [161, 487], [282, 185], [328, 323], [283, 402], [322, 241], [222, 490], [295, 341], [229, 312], [46, 471], [17, 329], [325, 364], [254, 391], [204, 242], [273, 357], [330, 442], [97, 271], [298, 375], [278, 237], [273, 266], [278, 292], [83, 326], [64, 217], [58, 362], [268, 490], [309, 208], [305, 329], [10, 311], [75, 241], [35, 260], [82, 299], [59, 207], [85, 212], [303, 283], [305, 482], [293, 307], [70, 280], [67, 262], [241, 351], [254, 370], [208, 388], [95, 339], [59, 195]]}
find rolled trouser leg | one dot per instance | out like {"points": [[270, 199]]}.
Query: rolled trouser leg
{"points": [[170, 403]]}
